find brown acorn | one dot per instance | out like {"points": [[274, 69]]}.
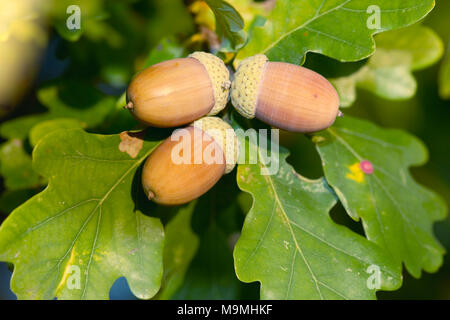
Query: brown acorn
{"points": [[179, 91], [284, 95], [179, 170]]}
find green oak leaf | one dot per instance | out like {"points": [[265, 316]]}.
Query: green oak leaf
{"points": [[180, 246], [229, 25], [44, 128], [290, 244], [444, 76], [396, 212], [16, 167], [336, 28], [84, 224], [388, 72]]}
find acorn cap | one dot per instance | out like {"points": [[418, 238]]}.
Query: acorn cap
{"points": [[244, 94], [220, 79], [224, 135]]}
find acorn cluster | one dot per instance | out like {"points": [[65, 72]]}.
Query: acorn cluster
{"points": [[190, 91]]}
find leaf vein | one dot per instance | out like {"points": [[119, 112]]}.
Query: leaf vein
{"points": [[303, 25]]}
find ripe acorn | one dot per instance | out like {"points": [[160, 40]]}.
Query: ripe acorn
{"points": [[190, 162], [179, 91], [284, 95]]}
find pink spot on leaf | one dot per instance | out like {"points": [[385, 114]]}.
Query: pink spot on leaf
{"points": [[366, 166]]}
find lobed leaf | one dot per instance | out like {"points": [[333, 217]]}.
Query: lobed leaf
{"points": [[336, 28], [85, 224], [367, 166], [290, 244]]}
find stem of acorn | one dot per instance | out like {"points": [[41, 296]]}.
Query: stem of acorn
{"points": [[129, 105]]}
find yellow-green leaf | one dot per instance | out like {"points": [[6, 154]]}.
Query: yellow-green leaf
{"points": [[74, 239], [368, 167]]}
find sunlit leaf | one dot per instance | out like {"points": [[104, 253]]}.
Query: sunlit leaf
{"points": [[290, 244], [341, 29], [368, 167], [84, 224], [44, 128]]}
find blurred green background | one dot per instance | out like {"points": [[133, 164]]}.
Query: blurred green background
{"points": [[116, 40]]}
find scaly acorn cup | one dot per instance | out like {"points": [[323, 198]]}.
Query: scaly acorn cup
{"points": [[179, 91], [190, 162], [284, 95]]}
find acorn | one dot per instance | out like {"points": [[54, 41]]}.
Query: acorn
{"points": [[190, 161], [284, 95], [179, 91]]}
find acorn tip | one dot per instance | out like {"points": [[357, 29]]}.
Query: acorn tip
{"points": [[340, 114], [129, 105]]}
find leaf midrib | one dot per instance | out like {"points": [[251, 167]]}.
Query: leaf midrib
{"points": [[287, 221], [318, 16]]}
